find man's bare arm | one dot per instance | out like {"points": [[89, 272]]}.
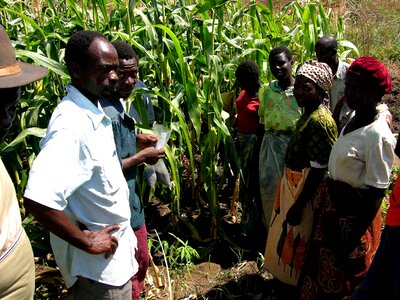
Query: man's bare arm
{"points": [[148, 155], [93, 242]]}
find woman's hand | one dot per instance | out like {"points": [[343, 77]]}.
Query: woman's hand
{"points": [[294, 214]]}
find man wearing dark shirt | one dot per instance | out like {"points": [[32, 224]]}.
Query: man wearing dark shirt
{"points": [[126, 142]]}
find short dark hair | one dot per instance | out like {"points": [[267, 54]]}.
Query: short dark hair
{"points": [[77, 47], [124, 50], [248, 76], [328, 43], [279, 50]]}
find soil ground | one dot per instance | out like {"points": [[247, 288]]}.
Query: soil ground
{"points": [[393, 102]]}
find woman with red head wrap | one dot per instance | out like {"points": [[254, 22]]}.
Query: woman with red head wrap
{"points": [[377, 77], [383, 278], [347, 222]]}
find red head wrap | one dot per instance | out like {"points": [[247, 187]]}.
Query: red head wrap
{"points": [[373, 71]]}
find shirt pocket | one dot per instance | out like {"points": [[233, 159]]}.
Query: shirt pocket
{"points": [[107, 177], [111, 174]]}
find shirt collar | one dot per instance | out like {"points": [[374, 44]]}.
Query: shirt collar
{"points": [[276, 88], [95, 114], [341, 70]]}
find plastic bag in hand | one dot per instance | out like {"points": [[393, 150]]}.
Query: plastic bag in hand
{"points": [[159, 169]]}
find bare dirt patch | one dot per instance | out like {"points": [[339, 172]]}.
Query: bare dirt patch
{"points": [[208, 280], [393, 102]]}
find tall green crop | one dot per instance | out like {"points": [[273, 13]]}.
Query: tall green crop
{"points": [[189, 52]]}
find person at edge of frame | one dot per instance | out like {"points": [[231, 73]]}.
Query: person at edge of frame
{"points": [[17, 265]]}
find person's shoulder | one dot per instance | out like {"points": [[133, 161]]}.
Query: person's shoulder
{"points": [[268, 88], [72, 115], [322, 112], [140, 84], [343, 66], [322, 117], [381, 124], [111, 107], [273, 84], [242, 96], [66, 111]]}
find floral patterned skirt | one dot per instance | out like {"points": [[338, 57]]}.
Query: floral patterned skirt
{"points": [[342, 244]]}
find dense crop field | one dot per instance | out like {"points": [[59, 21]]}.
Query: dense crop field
{"points": [[189, 52]]}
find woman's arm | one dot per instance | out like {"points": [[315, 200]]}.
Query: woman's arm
{"points": [[314, 178]]}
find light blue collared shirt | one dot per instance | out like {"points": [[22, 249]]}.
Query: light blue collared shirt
{"points": [[78, 171]]}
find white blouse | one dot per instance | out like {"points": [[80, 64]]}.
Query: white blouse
{"points": [[364, 157]]}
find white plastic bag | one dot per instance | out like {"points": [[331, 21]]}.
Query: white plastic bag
{"points": [[159, 170]]}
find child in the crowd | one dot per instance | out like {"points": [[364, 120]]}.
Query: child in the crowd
{"points": [[248, 126]]}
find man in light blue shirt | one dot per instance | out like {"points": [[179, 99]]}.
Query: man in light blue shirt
{"points": [[76, 187]]}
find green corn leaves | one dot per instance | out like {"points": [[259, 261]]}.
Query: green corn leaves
{"points": [[188, 55]]}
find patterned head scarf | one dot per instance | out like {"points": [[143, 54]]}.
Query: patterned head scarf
{"points": [[318, 72], [373, 71]]}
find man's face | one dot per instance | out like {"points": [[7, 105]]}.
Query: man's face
{"points": [[99, 78], [326, 54], [8, 104], [128, 71]]}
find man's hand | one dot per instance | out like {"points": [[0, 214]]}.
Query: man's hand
{"points": [[148, 155], [93, 242], [151, 155], [102, 241], [144, 140]]}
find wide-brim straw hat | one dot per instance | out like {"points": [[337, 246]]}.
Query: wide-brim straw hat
{"points": [[15, 73]]}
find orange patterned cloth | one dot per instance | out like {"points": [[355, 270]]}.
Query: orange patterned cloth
{"points": [[286, 244], [341, 247]]}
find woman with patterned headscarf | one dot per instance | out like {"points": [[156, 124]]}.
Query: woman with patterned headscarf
{"points": [[347, 222], [306, 162]]}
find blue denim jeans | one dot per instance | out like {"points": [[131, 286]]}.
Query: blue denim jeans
{"points": [[383, 277]]}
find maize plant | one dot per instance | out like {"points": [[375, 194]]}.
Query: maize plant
{"points": [[189, 52]]}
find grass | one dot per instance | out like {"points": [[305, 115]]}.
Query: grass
{"points": [[374, 26]]}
